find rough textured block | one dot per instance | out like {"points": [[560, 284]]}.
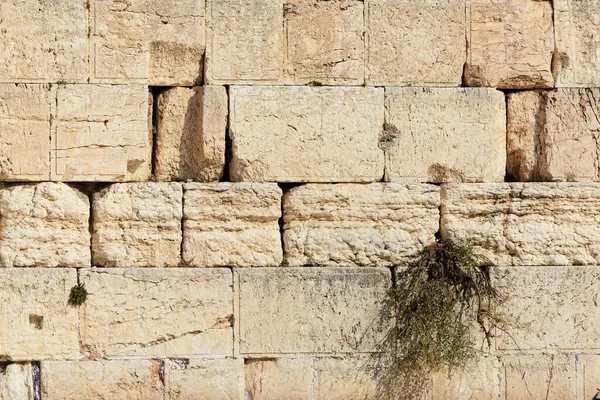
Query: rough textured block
{"points": [[553, 136], [415, 42], [306, 134], [207, 379], [587, 367], [358, 225], [102, 379], [511, 44], [36, 323], [325, 42], [44, 225], [279, 378], [132, 313], [525, 224], [552, 308], [478, 380], [319, 310], [576, 26], [25, 114], [244, 41], [540, 377], [190, 140], [161, 43], [101, 133], [44, 41], [232, 224], [16, 382], [137, 225], [425, 136]]}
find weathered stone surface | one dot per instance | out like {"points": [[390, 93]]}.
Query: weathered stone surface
{"points": [[554, 136], [319, 310], [511, 44], [16, 382], [478, 380], [161, 43], [232, 224], [101, 133], [552, 308], [576, 24], [325, 42], [36, 323], [540, 377], [525, 224], [306, 134], [380, 224], [25, 113], [148, 312], [425, 135], [346, 378], [190, 140], [102, 379], [587, 367], [43, 41], [244, 41], [415, 42], [207, 379], [44, 225]]}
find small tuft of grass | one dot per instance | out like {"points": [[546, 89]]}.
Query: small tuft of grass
{"points": [[78, 295]]}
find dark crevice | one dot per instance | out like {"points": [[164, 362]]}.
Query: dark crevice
{"points": [[155, 91], [285, 188], [37, 380], [228, 146]]}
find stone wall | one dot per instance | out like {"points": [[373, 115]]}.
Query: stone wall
{"points": [[237, 182]]}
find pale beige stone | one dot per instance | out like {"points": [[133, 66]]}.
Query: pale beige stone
{"points": [[349, 378], [311, 310], [479, 379], [425, 138], [577, 50], [325, 42], [540, 377], [588, 368], [101, 133], [380, 224], [191, 129], [525, 224], [44, 225], [36, 322], [43, 41], [244, 41], [306, 134], [137, 225], [232, 224], [156, 42], [102, 379], [25, 114], [148, 312], [219, 379], [524, 118], [550, 308], [511, 44], [415, 42], [279, 378], [16, 382]]}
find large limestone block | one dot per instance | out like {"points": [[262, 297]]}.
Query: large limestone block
{"points": [[190, 139], [25, 114], [36, 323], [318, 310], [380, 224], [588, 368], [44, 225], [479, 379], [44, 41], [525, 224], [279, 378], [540, 377], [244, 41], [219, 379], [578, 53], [148, 312], [511, 44], [16, 382], [550, 308], [415, 42], [101, 133], [156, 42], [554, 136], [425, 138], [306, 134], [232, 224], [102, 379], [325, 42], [137, 225]]}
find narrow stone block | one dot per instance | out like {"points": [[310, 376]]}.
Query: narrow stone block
{"points": [[16, 382], [201, 378]]}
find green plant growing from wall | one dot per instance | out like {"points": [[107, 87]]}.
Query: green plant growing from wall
{"points": [[78, 295]]}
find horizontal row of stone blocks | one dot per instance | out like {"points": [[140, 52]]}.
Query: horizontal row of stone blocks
{"points": [[507, 43]]}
